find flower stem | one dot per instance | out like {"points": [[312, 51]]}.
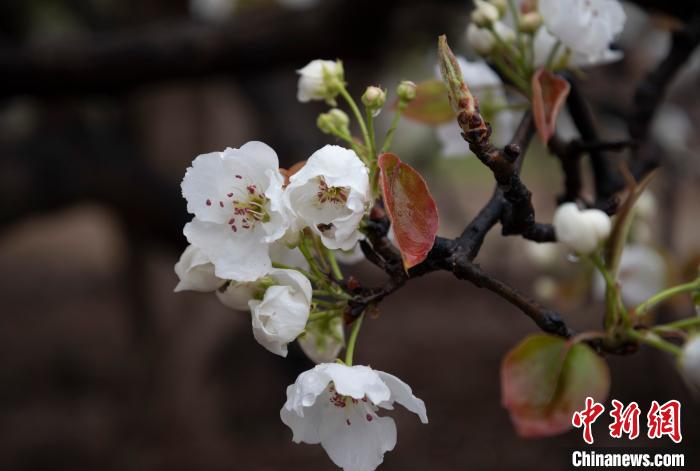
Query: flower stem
{"points": [[681, 324], [350, 350], [511, 75], [358, 116], [655, 341], [337, 273], [614, 307], [304, 249], [666, 294], [552, 55], [288, 267], [320, 315], [516, 15], [392, 129], [370, 128]]}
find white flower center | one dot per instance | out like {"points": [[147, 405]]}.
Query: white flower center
{"points": [[249, 206], [366, 408], [331, 194]]}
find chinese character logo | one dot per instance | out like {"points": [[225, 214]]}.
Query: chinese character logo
{"points": [[662, 420]]}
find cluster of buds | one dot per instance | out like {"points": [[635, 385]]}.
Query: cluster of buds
{"points": [[486, 30], [561, 33]]}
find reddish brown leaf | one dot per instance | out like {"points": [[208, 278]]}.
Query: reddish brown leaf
{"points": [[545, 379], [411, 209], [430, 106], [549, 92]]}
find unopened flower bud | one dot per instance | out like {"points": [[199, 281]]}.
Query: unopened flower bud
{"points": [[504, 31], [530, 22], [583, 231], [320, 80], [501, 5], [480, 39], [484, 13], [336, 121], [406, 91], [690, 361], [373, 99]]}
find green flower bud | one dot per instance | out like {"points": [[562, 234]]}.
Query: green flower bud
{"points": [[501, 5], [334, 122], [530, 22], [406, 91], [484, 14], [374, 99]]}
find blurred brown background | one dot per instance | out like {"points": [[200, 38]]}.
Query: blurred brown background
{"points": [[104, 103]]}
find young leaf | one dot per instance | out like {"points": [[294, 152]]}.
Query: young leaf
{"points": [[411, 209], [545, 379], [623, 221], [430, 106], [549, 92]]}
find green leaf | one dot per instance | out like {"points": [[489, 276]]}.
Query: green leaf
{"points": [[545, 379], [430, 106], [549, 92], [411, 209]]}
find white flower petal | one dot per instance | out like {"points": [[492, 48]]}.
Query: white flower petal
{"points": [[241, 256], [305, 425], [204, 187], [237, 295], [690, 361], [356, 381], [584, 26], [196, 272], [353, 442], [402, 393]]}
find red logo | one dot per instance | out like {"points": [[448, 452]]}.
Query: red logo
{"points": [[662, 420]]}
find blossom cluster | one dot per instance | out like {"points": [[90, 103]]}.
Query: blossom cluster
{"points": [[554, 34], [268, 241]]}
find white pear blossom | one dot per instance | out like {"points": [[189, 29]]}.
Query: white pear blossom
{"points": [[642, 273], [488, 87], [690, 361], [236, 199], [281, 315], [330, 194], [543, 42], [582, 230], [320, 80], [196, 272], [584, 26], [323, 340], [336, 405]]}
